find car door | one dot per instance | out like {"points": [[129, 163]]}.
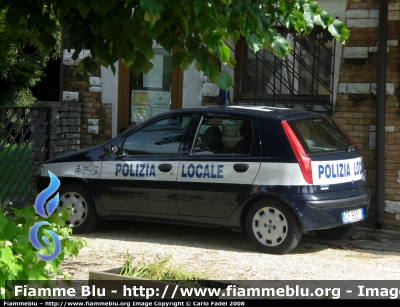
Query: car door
{"points": [[218, 171], [142, 178]]}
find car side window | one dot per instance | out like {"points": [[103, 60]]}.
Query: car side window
{"points": [[159, 138], [218, 135]]}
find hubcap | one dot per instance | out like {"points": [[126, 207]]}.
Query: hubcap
{"points": [[270, 226], [76, 204]]}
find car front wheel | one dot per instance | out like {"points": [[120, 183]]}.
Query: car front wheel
{"points": [[79, 202], [273, 227]]}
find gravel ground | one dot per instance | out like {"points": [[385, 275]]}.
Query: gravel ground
{"points": [[225, 255]]}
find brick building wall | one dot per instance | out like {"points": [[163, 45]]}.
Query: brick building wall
{"points": [[356, 97], [95, 116]]}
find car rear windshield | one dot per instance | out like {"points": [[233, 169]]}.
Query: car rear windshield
{"points": [[320, 135]]}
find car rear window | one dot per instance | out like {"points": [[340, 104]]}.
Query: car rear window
{"points": [[319, 135]]}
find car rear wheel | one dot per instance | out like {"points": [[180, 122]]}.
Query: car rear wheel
{"points": [[273, 227], [337, 232], [83, 216]]}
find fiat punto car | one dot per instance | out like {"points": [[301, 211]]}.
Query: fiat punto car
{"points": [[274, 173]]}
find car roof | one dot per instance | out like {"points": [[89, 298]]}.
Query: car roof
{"points": [[258, 111]]}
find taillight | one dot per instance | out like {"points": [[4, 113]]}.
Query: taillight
{"points": [[302, 158], [344, 132]]}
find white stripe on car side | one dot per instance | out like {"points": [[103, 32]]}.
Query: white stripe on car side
{"points": [[73, 169], [138, 170], [218, 172], [186, 171], [281, 174]]}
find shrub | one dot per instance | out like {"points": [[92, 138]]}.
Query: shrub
{"points": [[18, 259]]}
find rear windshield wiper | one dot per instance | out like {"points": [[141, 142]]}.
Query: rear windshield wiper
{"points": [[350, 148]]}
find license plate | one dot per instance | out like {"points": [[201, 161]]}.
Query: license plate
{"points": [[353, 215]]}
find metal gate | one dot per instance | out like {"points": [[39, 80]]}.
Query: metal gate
{"points": [[24, 145]]}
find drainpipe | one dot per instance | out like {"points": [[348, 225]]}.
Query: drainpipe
{"points": [[380, 116], [62, 65]]}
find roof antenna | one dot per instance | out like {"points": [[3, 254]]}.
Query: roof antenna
{"points": [[224, 98]]}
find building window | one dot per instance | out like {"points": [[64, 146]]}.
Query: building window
{"points": [[150, 94], [144, 96]]}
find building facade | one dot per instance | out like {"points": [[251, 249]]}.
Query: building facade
{"points": [[321, 75]]}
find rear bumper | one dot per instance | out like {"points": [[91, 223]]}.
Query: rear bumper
{"points": [[339, 203], [325, 210]]}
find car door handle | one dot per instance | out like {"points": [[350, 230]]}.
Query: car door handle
{"points": [[241, 168], [165, 167]]}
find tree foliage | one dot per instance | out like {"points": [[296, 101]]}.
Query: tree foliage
{"points": [[196, 30], [21, 62]]}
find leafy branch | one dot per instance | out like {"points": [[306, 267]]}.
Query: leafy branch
{"points": [[196, 30]]}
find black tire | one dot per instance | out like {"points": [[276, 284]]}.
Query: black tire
{"points": [[84, 217], [337, 232], [273, 227]]}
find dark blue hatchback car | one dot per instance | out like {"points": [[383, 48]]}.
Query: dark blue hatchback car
{"points": [[274, 173]]}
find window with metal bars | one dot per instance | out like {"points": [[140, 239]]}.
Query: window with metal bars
{"points": [[303, 79]]}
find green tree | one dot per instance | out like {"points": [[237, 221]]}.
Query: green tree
{"points": [[21, 62], [197, 29]]}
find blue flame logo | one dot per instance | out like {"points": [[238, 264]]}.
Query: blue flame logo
{"points": [[41, 208]]}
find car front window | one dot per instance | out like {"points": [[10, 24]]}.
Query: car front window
{"points": [[159, 138]]}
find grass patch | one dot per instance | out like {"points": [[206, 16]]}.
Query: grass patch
{"points": [[161, 270]]}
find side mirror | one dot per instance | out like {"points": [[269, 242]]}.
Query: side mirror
{"points": [[111, 150]]}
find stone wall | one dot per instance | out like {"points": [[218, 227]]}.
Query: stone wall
{"points": [[356, 103], [65, 126]]}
